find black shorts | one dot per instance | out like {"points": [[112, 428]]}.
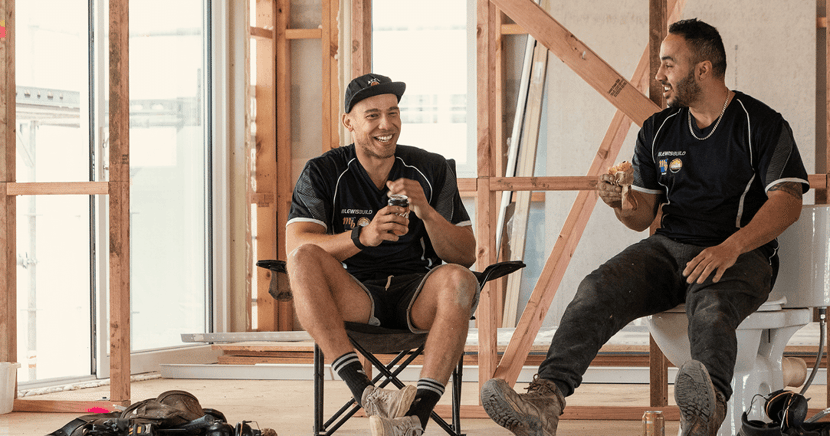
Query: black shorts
{"points": [[392, 299]]}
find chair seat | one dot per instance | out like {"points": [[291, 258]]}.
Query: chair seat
{"points": [[381, 340]]}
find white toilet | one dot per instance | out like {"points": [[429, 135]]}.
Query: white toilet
{"points": [[803, 283]]}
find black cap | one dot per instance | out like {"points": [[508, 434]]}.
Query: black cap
{"points": [[370, 85]]}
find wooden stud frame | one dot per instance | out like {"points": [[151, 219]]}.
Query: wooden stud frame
{"points": [[273, 135], [118, 190]]}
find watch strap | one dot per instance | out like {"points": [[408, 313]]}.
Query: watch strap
{"points": [[356, 237]]}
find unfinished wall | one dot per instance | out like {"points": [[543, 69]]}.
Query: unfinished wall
{"points": [[771, 52]]}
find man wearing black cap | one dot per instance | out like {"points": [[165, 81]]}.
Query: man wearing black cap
{"points": [[353, 257]]}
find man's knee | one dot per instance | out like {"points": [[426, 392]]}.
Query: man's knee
{"points": [[462, 282], [304, 257]]}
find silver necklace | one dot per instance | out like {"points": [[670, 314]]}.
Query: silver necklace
{"points": [[716, 122]]}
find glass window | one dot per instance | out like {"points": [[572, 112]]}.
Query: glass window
{"points": [[54, 322], [430, 52], [59, 280], [168, 172]]}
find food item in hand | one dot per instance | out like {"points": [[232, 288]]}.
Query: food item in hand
{"points": [[624, 176], [623, 173]]}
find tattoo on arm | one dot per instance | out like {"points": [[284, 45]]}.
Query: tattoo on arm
{"points": [[792, 188]]}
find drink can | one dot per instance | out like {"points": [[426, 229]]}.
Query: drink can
{"points": [[398, 200], [653, 423]]}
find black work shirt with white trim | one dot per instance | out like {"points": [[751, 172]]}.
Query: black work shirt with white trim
{"points": [[336, 192], [711, 188]]}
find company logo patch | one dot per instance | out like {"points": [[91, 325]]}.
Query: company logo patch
{"points": [[676, 165], [664, 166], [363, 222], [374, 82]]}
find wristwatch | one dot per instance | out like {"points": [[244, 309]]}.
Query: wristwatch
{"points": [[356, 237]]}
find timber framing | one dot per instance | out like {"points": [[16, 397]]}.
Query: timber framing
{"points": [[274, 183], [117, 189]]}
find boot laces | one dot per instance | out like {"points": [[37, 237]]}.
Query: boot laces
{"points": [[541, 386]]}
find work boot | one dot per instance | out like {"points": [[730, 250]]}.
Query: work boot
{"points": [[702, 409], [392, 403], [402, 426], [535, 413]]}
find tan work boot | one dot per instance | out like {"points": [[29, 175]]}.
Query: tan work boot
{"points": [[702, 409], [402, 426], [535, 413], [391, 403]]}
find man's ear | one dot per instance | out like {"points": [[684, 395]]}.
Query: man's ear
{"points": [[703, 69], [347, 122]]}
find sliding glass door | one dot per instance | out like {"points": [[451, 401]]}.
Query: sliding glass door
{"points": [[62, 250]]}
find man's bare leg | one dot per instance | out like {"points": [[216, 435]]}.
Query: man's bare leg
{"points": [[325, 296], [443, 307]]}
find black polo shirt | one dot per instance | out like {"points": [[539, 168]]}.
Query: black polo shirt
{"points": [[335, 192], [711, 188]]}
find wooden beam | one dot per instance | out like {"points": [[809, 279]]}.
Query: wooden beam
{"points": [[119, 199], [822, 195], [512, 29], [547, 183], [266, 163], [580, 58], [575, 223], [8, 211], [261, 32], [67, 406], [58, 188], [326, 60], [282, 49], [658, 28], [819, 181], [361, 37], [488, 309], [304, 33], [334, 78]]}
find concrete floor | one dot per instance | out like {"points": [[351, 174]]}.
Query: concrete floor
{"points": [[286, 406]]}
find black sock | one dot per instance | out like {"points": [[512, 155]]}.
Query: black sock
{"points": [[427, 396], [348, 367]]}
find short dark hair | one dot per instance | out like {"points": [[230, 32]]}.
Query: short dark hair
{"points": [[704, 42]]}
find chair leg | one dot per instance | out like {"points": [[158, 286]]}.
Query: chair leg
{"points": [[318, 391], [456, 396]]}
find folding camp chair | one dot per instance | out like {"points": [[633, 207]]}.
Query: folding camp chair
{"points": [[370, 340]]}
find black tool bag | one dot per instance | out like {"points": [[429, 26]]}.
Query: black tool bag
{"points": [[171, 413]]}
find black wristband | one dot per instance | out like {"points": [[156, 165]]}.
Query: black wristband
{"points": [[356, 238]]}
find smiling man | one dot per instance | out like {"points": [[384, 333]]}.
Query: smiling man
{"points": [[353, 257], [724, 170]]}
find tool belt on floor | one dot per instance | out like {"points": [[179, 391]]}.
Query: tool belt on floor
{"points": [[171, 413]]}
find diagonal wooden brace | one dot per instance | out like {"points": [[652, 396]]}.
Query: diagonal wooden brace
{"points": [[551, 276], [580, 58]]}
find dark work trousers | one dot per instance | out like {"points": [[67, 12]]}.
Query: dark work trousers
{"points": [[647, 278]]}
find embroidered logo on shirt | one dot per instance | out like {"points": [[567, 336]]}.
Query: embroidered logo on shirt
{"points": [[676, 165], [363, 222]]}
